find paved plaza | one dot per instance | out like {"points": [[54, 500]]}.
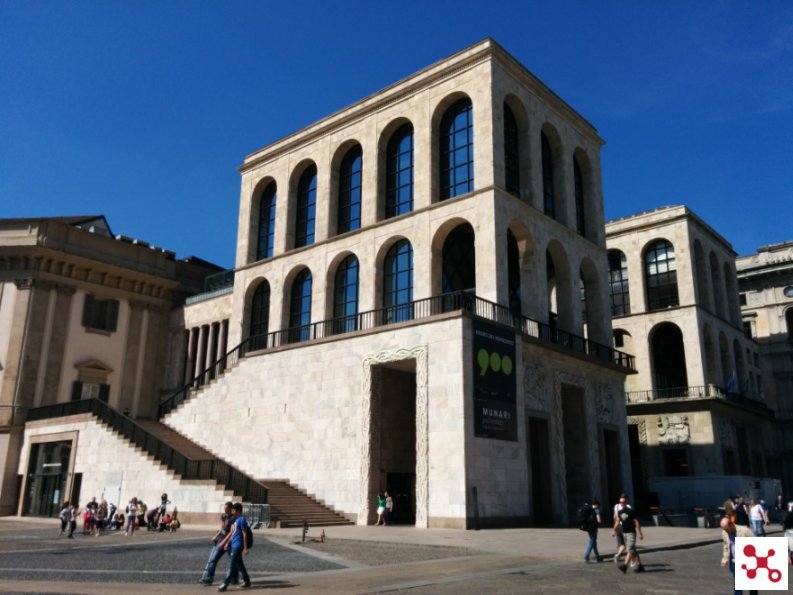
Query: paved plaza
{"points": [[35, 559]]}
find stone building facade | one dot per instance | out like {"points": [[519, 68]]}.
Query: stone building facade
{"points": [[83, 314], [378, 250], [418, 305], [765, 281], [699, 422]]}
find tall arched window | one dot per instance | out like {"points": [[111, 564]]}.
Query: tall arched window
{"points": [[459, 260], [306, 207], [457, 150], [660, 271], [618, 284], [300, 308], [260, 316], [399, 172], [266, 235], [668, 360], [511, 152], [345, 296], [580, 215], [398, 282], [549, 198], [513, 274], [350, 191]]}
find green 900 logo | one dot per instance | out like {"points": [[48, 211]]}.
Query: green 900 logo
{"points": [[493, 361]]}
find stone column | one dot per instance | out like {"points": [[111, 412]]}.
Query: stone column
{"points": [[202, 353], [223, 345], [13, 362], [211, 354], [192, 342]]}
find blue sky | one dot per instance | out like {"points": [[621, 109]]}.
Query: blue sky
{"points": [[143, 110]]}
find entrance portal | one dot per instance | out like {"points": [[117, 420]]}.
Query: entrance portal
{"points": [[576, 453], [540, 471], [47, 473]]}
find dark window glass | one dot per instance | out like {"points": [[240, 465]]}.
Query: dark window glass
{"points": [[100, 314], [399, 172], [660, 270], [260, 315], [398, 282], [264, 247], [350, 191], [618, 284], [306, 207], [459, 260], [511, 152], [300, 308], [789, 322], [457, 150], [549, 200], [580, 219], [513, 267], [345, 299], [675, 462]]}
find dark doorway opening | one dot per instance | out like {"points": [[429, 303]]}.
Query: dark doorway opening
{"points": [[47, 473], [576, 467], [540, 471], [394, 450]]}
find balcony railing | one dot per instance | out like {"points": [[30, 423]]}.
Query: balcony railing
{"points": [[420, 309], [709, 391], [212, 469]]}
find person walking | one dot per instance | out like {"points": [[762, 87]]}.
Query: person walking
{"points": [[65, 516], [74, 513], [132, 516], [380, 509], [757, 517], [237, 544], [389, 509], [226, 520], [627, 521], [592, 523], [623, 502], [729, 531]]}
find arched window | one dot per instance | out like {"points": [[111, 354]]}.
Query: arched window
{"points": [[266, 235], [511, 152], [300, 308], [660, 271], [398, 282], [399, 172], [549, 199], [580, 213], [669, 360], [345, 296], [459, 260], [513, 274], [457, 150], [618, 284], [260, 316], [306, 207], [350, 191]]}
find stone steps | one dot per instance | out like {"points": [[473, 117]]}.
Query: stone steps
{"points": [[291, 507]]}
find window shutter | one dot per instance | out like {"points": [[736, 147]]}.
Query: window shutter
{"points": [[88, 308], [104, 392], [112, 315], [77, 390]]}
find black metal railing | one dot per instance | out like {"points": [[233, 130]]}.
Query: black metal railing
{"points": [[221, 472], [709, 391], [465, 301]]}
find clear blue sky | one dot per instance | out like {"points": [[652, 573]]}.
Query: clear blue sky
{"points": [[143, 110]]}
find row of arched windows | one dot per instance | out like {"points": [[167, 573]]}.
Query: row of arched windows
{"points": [[660, 278], [455, 174], [715, 283]]}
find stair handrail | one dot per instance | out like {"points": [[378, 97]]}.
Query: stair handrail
{"points": [[213, 469], [210, 372]]}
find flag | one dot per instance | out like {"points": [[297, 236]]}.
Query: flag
{"points": [[732, 385]]}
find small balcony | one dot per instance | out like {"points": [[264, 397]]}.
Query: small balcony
{"points": [[709, 391]]}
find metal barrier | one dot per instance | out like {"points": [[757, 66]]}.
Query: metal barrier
{"points": [[257, 513]]}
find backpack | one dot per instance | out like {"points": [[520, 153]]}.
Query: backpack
{"points": [[248, 534], [584, 517]]}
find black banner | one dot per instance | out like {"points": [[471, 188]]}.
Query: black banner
{"points": [[495, 409]]}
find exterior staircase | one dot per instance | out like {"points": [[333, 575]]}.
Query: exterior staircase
{"points": [[291, 507]]}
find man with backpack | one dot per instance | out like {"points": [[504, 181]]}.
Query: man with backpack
{"points": [[589, 519], [238, 542]]}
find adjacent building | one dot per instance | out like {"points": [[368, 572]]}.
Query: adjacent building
{"points": [[765, 282], [700, 420]]}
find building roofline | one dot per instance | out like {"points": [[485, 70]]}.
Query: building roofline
{"points": [[469, 56]]}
